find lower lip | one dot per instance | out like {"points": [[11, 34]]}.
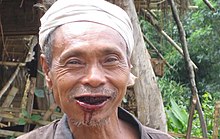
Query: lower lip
{"points": [[88, 107]]}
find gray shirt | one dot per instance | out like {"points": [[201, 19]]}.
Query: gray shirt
{"points": [[59, 129]]}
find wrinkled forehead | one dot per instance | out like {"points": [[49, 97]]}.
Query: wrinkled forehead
{"points": [[98, 11], [79, 32], [89, 30]]}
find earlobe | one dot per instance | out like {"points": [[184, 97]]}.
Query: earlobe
{"points": [[131, 80], [46, 70]]}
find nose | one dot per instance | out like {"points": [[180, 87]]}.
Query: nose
{"points": [[95, 76]]}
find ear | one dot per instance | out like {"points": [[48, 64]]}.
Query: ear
{"points": [[132, 77], [131, 80], [46, 70]]}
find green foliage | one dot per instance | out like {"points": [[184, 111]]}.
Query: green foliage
{"points": [[21, 121], [208, 108], [177, 117], [172, 90], [203, 39], [35, 117], [176, 99], [26, 116], [203, 30], [39, 93]]}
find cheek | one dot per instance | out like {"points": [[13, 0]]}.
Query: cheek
{"points": [[63, 82], [119, 75], [119, 78]]}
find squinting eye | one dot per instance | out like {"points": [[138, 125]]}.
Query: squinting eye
{"points": [[74, 62], [111, 60]]}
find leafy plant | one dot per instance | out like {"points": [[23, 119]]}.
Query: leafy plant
{"points": [[39, 92], [202, 33], [26, 116], [177, 117]]}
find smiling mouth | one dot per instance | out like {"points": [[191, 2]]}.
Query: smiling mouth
{"points": [[92, 100]]}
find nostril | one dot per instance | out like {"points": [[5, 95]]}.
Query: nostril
{"points": [[95, 77]]}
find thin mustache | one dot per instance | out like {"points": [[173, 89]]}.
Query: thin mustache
{"points": [[91, 90]]}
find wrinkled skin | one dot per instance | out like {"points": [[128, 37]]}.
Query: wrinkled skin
{"points": [[89, 55]]}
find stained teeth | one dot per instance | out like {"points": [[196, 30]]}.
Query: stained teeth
{"points": [[92, 100]]}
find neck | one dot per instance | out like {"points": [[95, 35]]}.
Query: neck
{"points": [[111, 128]]}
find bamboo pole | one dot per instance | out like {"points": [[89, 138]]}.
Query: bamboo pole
{"points": [[5, 110], [27, 59], [30, 101], [12, 118], [24, 98], [154, 23], [9, 98], [7, 133], [2, 37], [50, 111], [159, 54], [190, 70], [5, 88], [209, 5], [12, 63]]}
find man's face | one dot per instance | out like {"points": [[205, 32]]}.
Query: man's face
{"points": [[89, 71]]}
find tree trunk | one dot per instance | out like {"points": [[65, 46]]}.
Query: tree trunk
{"points": [[150, 109]]}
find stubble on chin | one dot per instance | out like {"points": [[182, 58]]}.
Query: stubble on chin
{"points": [[91, 123]]}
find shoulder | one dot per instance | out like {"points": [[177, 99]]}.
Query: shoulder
{"points": [[44, 132], [144, 132], [155, 134]]}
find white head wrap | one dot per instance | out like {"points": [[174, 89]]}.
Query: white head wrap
{"points": [[97, 11]]}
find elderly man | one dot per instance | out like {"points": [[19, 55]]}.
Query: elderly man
{"points": [[86, 47]]}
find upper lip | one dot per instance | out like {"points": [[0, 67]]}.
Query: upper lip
{"points": [[92, 99]]}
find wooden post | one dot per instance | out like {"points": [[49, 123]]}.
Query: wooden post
{"points": [[216, 123], [30, 101]]}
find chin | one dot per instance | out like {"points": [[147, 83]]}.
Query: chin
{"points": [[89, 122]]}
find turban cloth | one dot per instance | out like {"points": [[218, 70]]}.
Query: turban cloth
{"points": [[96, 11]]}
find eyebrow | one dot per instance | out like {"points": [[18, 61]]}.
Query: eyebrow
{"points": [[79, 52], [71, 53], [111, 50]]}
